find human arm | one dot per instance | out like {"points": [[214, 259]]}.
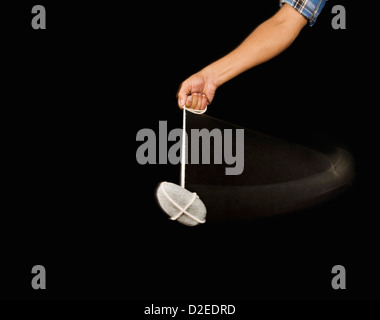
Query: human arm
{"points": [[267, 41]]}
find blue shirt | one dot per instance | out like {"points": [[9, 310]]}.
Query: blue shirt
{"points": [[310, 9]]}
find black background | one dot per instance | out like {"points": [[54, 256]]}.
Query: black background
{"points": [[76, 201]]}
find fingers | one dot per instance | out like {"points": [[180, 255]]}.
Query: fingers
{"points": [[196, 101], [182, 95], [204, 102], [190, 93], [189, 101]]}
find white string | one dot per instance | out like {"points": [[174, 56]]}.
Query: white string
{"points": [[183, 148], [182, 210], [194, 110]]}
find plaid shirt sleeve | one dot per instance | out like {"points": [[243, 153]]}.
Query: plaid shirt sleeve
{"points": [[310, 9]]}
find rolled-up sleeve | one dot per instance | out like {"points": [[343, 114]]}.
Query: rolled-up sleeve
{"points": [[310, 9]]}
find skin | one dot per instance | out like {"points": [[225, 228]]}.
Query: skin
{"points": [[268, 40]]}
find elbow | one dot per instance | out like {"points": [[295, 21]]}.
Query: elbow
{"points": [[290, 19]]}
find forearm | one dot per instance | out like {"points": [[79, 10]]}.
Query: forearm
{"points": [[267, 41]]}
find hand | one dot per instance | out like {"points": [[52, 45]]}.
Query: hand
{"points": [[196, 92]]}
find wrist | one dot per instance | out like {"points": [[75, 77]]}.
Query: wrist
{"points": [[211, 74], [221, 70]]}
